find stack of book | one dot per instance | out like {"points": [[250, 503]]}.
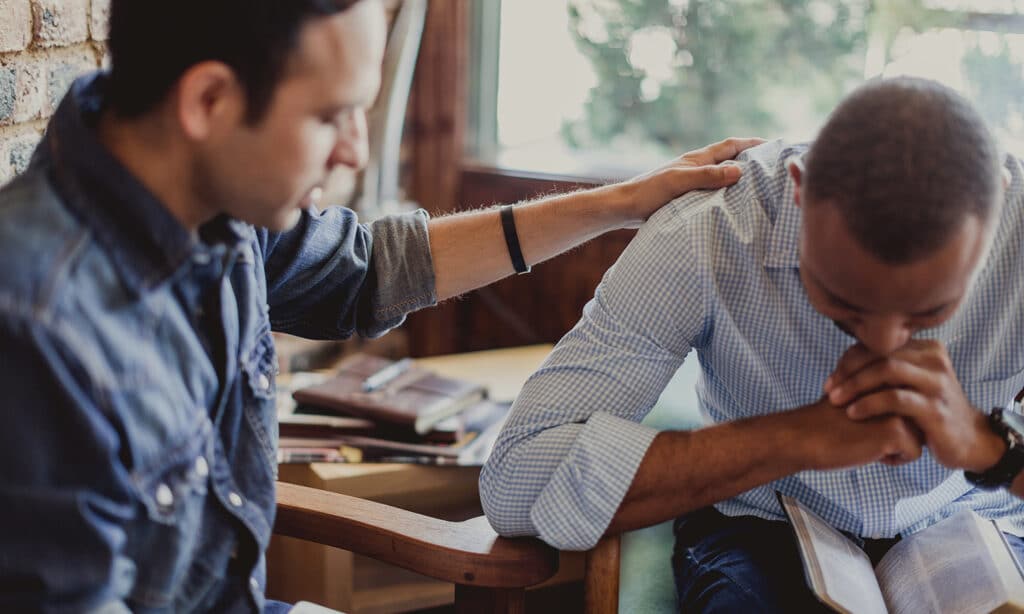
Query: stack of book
{"points": [[372, 409]]}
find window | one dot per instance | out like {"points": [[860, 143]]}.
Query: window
{"points": [[609, 87]]}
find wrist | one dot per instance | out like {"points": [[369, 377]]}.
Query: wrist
{"points": [[989, 449], [613, 204], [797, 449], [1009, 427]]}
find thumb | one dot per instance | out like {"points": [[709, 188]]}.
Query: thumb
{"points": [[718, 175]]}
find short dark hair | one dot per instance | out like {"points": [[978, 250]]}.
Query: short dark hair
{"points": [[904, 160], [152, 44]]}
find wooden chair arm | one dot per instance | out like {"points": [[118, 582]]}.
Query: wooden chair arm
{"points": [[467, 553]]}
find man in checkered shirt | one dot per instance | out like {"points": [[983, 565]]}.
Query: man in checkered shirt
{"points": [[855, 308]]}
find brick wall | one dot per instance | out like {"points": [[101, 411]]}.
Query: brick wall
{"points": [[44, 45]]}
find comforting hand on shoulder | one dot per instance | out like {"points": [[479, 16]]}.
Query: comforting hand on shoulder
{"points": [[699, 169], [917, 382]]}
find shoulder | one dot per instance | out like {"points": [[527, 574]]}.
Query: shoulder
{"points": [[1011, 214], [742, 214], [38, 239], [55, 271], [757, 196]]}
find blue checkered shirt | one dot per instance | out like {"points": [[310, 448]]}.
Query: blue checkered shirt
{"points": [[717, 272]]}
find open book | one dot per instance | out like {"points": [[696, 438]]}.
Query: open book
{"points": [[960, 565]]}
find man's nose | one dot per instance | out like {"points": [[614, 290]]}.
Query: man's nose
{"points": [[883, 336], [351, 149]]}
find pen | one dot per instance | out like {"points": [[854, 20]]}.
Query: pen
{"points": [[309, 455], [385, 375]]}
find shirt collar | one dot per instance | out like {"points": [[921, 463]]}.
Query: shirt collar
{"points": [[784, 245], [147, 243]]}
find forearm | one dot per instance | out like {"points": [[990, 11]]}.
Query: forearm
{"points": [[686, 470], [469, 249]]}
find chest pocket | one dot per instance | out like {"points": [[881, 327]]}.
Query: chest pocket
{"points": [[173, 495]]}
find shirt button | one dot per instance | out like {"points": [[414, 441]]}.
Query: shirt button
{"points": [[201, 258], [235, 499], [164, 496], [264, 382], [254, 584], [202, 467]]}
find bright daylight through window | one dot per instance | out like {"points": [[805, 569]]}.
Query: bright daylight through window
{"points": [[608, 87]]}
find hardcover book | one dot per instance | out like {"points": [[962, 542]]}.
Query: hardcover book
{"points": [[414, 398], [479, 427]]}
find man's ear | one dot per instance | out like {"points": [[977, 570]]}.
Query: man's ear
{"points": [[796, 171], [208, 98]]}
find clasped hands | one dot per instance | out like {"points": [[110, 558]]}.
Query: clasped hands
{"points": [[918, 386]]}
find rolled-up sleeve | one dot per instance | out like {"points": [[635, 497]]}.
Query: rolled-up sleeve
{"points": [[331, 277], [573, 442]]}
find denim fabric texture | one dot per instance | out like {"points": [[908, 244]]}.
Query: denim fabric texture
{"points": [[138, 448]]}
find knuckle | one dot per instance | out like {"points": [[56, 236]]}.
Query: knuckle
{"points": [[897, 426], [888, 364], [712, 174], [945, 362]]}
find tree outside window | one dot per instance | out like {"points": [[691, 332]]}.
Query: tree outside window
{"points": [[654, 78]]}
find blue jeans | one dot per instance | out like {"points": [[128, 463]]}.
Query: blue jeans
{"points": [[748, 564]]}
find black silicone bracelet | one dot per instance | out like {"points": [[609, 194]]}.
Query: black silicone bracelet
{"points": [[508, 225]]}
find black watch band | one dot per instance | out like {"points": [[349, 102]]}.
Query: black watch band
{"points": [[1009, 466]]}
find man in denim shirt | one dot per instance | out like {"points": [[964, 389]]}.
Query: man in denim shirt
{"points": [[164, 227]]}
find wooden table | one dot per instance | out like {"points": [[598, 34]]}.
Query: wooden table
{"points": [[338, 579]]}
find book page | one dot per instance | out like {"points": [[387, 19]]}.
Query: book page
{"points": [[1011, 573], [946, 568], [838, 571]]}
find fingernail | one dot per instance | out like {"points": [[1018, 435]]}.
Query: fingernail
{"points": [[828, 383], [836, 395]]}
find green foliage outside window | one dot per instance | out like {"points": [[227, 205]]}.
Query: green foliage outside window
{"points": [[754, 67]]}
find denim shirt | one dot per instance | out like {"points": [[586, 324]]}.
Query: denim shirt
{"points": [[137, 448]]}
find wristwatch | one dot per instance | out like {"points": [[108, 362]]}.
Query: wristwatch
{"points": [[1010, 426]]}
